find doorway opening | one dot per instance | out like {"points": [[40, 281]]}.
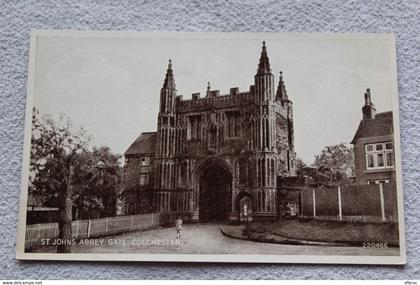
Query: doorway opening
{"points": [[215, 184]]}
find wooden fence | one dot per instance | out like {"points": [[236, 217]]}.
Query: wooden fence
{"points": [[364, 203], [91, 228]]}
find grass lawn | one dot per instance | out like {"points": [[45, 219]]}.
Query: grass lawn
{"points": [[330, 231]]}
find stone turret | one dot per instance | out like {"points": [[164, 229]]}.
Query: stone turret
{"points": [[166, 131], [168, 92], [264, 79], [264, 133]]}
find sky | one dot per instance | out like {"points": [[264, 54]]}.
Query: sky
{"points": [[110, 83]]}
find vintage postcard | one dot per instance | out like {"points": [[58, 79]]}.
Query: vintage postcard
{"points": [[212, 147]]}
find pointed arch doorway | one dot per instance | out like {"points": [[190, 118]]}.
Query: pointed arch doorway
{"points": [[214, 190]]}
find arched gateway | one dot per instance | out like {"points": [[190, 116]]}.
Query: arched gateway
{"points": [[209, 149], [213, 190]]}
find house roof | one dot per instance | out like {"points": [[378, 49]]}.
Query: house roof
{"points": [[145, 143], [381, 125]]}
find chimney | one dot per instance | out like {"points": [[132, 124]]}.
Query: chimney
{"points": [[368, 109]]}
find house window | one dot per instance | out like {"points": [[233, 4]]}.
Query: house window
{"points": [[145, 161], [144, 179], [379, 155]]}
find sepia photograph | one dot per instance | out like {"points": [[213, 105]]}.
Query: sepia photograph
{"points": [[212, 147]]}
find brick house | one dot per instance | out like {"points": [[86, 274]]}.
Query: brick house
{"points": [[374, 146], [138, 174]]}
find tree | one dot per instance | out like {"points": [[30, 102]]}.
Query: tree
{"points": [[97, 197], [65, 174], [55, 155], [300, 167], [336, 159], [335, 164]]}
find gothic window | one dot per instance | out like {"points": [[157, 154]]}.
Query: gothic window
{"points": [[194, 128], [233, 124]]}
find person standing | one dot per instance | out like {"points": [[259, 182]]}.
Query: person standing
{"points": [[178, 227]]}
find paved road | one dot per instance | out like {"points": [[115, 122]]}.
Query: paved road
{"points": [[207, 239]]}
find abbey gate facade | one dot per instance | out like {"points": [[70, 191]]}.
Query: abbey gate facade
{"points": [[215, 157]]}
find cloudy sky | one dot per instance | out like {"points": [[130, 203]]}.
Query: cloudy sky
{"points": [[110, 83]]}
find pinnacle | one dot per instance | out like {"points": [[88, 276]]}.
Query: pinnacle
{"points": [[264, 65], [169, 82]]}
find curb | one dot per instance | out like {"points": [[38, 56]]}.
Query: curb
{"points": [[329, 243], [231, 235], [290, 241]]}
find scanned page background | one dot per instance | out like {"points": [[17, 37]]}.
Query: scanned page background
{"points": [[16, 20]]}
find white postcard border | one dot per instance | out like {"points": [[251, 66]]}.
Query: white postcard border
{"points": [[324, 259]]}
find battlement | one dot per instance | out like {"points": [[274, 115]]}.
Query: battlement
{"points": [[215, 93], [234, 91], [213, 99]]}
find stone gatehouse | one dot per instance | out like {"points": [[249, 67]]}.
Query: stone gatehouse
{"points": [[214, 156]]}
